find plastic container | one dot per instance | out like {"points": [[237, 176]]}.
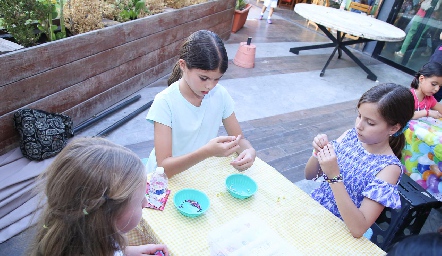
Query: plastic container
{"points": [[157, 186], [191, 202], [241, 186]]}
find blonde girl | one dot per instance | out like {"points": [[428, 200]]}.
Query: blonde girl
{"points": [[95, 191]]}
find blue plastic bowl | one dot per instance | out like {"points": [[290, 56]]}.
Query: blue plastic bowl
{"points": [[191, 202], [241, 186]]}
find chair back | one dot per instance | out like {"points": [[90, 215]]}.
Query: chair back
{"points": [[361, 7]]}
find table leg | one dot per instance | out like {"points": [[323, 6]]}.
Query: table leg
{"points": [[339, 39], [329, 59], [296, 50], [340, 46], [370, 75]]}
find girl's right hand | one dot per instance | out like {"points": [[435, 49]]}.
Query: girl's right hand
{"points": [[319, 142], [434, 114], [223, 145]]}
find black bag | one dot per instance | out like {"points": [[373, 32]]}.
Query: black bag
{"points": [[42, 134]]}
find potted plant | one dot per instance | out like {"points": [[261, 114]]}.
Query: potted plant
{"points": [[241, 11]]}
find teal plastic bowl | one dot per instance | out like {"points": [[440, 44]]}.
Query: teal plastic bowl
{"points": [[241, 186], [191, 202]]}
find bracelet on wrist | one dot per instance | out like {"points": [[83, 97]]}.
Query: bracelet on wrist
{"points": [[337, 178], [428, 112], [315, 153], [318, 174]]}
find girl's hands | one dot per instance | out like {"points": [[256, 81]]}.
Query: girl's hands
{"points": [[328, 161], [434, 114], [223, 145], [244, 160], [147, 249], [319, 142]]}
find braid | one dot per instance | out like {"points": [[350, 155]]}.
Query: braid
{"points": [[176, 74]]}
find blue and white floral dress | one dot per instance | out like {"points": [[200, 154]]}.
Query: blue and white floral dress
{"points": [[359, 169]]}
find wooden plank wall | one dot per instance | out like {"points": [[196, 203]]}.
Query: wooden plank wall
{"points": [[86, 74]]}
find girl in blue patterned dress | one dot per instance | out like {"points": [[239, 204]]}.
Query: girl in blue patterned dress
{"points": [[361, 168]]}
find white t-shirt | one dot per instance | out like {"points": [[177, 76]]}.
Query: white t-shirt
{"points": [[192, 127]]}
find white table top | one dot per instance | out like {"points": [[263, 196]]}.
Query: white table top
{"points": [[350, 22]]}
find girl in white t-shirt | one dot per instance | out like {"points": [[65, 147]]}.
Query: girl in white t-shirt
{"points": [[187, 115]]}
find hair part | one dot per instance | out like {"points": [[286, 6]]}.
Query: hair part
{"points": [[396, 105], [430, 69], [203, 50], [87, 187]]}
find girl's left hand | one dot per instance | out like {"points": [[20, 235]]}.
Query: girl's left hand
{"points": [[328, 161], [244, 160], [147, 249]]}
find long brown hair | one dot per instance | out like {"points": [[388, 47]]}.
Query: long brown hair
{"points": [[87, 186], [204, 50], [396, 105]]}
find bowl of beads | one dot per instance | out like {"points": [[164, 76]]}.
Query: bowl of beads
{"points": [[241, 186], [191, 202]]}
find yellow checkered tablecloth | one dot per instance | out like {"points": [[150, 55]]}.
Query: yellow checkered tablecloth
{"points": [[288, 210]]}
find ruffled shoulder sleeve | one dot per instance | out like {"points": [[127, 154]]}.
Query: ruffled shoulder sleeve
{"points": [[384, 193]]}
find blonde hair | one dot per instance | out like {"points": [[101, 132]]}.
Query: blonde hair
{"points": [[87, 187]]}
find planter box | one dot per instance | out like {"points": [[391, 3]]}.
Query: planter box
{"points": [[240, 18], [85, 74]]}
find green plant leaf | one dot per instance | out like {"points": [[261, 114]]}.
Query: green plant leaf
{"points": [[140, 5], [60, 35], [41, 28]]}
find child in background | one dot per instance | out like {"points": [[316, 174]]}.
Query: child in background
{"points": [[187, 115], [268, 3], [95, 192], [425, 84], [362, 167]]}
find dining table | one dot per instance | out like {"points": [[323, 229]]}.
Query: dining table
{"points": [[279, 213], [362, 26]]}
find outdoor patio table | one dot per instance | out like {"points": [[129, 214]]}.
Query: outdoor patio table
{"points": [[298, 219], [360, 25]]}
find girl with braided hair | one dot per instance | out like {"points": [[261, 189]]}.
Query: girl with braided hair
{"points": [[95, 191], [187, 115]]}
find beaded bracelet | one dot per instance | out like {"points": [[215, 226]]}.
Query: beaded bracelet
{"points": [[337, 178], [315, 153]]}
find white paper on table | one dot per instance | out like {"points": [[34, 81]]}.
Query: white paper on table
{"points": [[248, 235]]}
